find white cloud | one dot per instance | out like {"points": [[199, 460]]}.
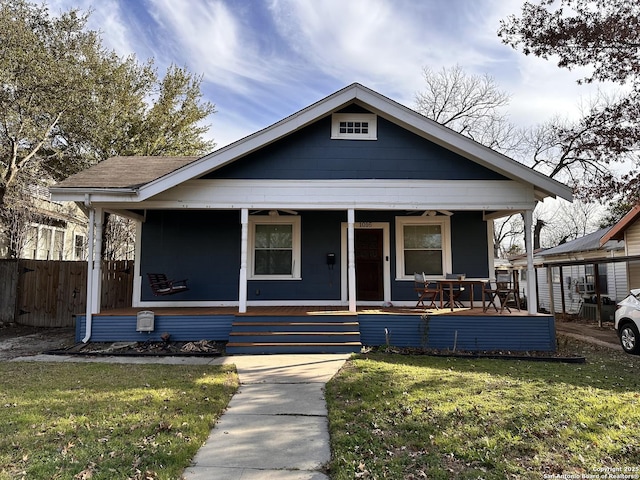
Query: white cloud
{"points": [[213, 39], [263, 61], [368, 41]]}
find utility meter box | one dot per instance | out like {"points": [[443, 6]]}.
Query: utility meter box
{"points": [[146, 321]]}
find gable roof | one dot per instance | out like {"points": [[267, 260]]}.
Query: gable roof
{"points": [[75, 188], [617, 231]]}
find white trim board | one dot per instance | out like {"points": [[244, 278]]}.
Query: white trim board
{"points": [[504, 195]]}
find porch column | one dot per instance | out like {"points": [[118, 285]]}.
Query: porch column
{"points": [[96, 292], [532, 301], [351, 258], [137, 279], [244, 247], [90, 245]]}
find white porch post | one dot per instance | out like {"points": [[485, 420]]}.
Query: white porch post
{"points": [[97, 262], [137, 279], [89, 309], [244, 248], [351, 258], [532, 300]]}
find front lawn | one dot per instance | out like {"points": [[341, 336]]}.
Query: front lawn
{"points": [[413, 417], [105, 421]]}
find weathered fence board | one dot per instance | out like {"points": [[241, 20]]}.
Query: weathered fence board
{"points": [[117, 284], [48, 293], [8, 280]]}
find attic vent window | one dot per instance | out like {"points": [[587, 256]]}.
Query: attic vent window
{"points": [[353, 126]]}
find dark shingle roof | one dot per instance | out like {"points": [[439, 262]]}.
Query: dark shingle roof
{"points": [[125, 172]]}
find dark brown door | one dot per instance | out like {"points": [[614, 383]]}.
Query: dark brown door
{"points": [[368, 245]]}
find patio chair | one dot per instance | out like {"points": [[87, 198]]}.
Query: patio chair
{"points": [[425, 290], [506, 292], [490, 295], [455, 294], [161, 285]]}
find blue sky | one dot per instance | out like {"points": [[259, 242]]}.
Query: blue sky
{"points": [[262, 60]]}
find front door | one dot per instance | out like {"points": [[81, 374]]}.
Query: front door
{"points": [[369, 264]]}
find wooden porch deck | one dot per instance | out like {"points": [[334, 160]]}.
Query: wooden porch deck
{"points": [[302, 311]]}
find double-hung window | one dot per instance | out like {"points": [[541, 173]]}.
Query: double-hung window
{"points": [[423, 245], [275, 247]]}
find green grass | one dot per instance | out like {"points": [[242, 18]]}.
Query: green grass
{"points": [[106, 421], [412, 417]]}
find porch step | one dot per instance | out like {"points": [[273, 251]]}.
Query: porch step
{"points": [[296, 326], [257, 335]]}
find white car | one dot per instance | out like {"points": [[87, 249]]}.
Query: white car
{"points": [[627, 322]]}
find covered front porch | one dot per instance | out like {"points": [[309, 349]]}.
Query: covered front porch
{"points": [[341, 203], [299, 329]]}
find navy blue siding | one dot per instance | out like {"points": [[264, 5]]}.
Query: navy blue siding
{"points": [[320, 233], [477, 333], [203, 246], [397, 154], [181, 327]]}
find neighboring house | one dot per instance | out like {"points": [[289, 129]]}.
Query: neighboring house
{"points": [[628, 231], [336, 205], [51, 230], [574, 269]]}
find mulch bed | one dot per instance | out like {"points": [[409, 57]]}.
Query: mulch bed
{"points": [[201, 348]]}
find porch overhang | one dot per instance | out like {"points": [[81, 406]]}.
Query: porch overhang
{"points": [[505, 196]]}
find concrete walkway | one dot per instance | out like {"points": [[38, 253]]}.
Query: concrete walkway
{"points": [[275, 426]]}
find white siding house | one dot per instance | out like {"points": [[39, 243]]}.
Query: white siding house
{"points": [[566, 275], [628, 230]]}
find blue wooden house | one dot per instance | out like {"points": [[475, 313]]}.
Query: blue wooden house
{"points": [[329, 212]]}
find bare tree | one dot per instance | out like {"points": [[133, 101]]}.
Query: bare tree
{"points": [[472, 105], [574, 151], [475, 106], [17, 216], [507, 235], [577, 152], [119, 238], [567, 221]]}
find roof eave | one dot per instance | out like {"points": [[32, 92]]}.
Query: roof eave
{"points": [[617, 231], [79, 194]]}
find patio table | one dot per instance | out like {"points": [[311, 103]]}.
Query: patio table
{"points": [[451, 283]]}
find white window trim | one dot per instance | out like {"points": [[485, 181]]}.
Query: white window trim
{"points": [[37, 243], [371, 118], [278, 220], [83, 247], [445, 222]]}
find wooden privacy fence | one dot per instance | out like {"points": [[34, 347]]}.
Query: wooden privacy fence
{"points": [[47, 293]]}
